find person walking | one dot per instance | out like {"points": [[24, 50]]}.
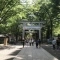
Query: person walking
{"points": [[54, 43], [36, 43], [23, 42], [32, 42], [39, 43]]}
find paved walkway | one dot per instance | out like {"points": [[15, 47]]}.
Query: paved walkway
{"points": [[31, 53]]}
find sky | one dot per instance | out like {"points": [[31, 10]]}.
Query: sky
{"points": [[27, 1]]}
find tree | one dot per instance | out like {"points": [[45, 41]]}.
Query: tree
{"points": [[6, 9], [9, 12], [43, 10]]}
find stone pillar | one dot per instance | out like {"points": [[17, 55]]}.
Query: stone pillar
{"points": [[5, 41]]}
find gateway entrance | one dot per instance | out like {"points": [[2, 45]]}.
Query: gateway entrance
{"points": [[32, 27]]}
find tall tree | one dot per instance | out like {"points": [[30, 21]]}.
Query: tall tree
{"points": [[6, 10]]}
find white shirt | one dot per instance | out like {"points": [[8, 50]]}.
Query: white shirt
{"points": [[54, 42]]}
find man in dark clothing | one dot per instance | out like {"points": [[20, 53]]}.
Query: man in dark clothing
{"points": [[23, 42], [36, 43]]}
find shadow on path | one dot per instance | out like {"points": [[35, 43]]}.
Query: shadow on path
{"points": [[14, 54], [10, 58]]}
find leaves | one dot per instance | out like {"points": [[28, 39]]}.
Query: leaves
{"points": [[12, 11]]}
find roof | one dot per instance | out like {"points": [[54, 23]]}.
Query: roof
{"points": [[1, 35]]}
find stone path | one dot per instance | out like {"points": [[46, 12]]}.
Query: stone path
{"points": [[31, 53]]}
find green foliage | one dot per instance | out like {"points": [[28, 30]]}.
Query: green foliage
{"points": [[57, 30], [12, 12], [2, 28], [6, 10]]}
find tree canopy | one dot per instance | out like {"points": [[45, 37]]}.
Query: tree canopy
{"points": [[14, 11]]}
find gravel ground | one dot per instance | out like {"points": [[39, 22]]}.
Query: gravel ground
{"points": [[49, 48]]}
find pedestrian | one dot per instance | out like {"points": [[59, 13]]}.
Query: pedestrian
{"points": [[36, 43], [32, 42], [23, 42], [54, 43]]}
